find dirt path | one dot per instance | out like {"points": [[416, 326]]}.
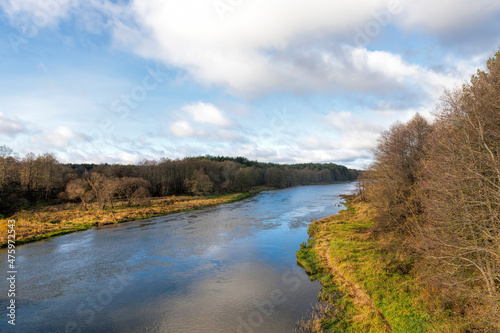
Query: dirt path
{"points": [[358, 296]]}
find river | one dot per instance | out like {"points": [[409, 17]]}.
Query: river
{"points": [[228, 268]]}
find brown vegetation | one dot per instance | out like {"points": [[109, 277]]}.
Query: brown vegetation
{"points": [[40, 180], [52, 220], [436, 191], [364, 289]]}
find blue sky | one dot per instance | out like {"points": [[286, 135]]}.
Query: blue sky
{"points": [[279, 81]]}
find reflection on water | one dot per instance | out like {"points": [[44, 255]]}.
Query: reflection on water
{"points": [[229, 268]]}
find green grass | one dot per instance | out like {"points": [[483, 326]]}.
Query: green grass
{"points": [[395, 295], [309, 260], [60, 232], [332, 314], [355, 253]]}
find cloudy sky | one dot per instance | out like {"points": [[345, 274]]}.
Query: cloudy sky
{"points": [[281, 81]]}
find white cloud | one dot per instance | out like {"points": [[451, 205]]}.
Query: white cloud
{"points": [[31, 16], [10, 126], [206, 113], [204, 121], [358, 69], [277, 53], [447, 15], [235, 53], [60, 137], [305, 150], [344, 121], [36, 14], [182, 129], [126, 158], [354, 132], [119, 157], [264, 46]]}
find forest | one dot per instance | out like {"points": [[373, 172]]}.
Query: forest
{"points": [[435, 190], [40, 180]]}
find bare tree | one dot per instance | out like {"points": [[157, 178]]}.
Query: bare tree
{"points": [[102, 187], [132, 188], [199, 183], [29, 176], [461, 187], [49, 175], [79, 189], [6, 161], [10, 196], [391, 180]]}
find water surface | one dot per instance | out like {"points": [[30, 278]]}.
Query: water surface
{"points": [[229, 268]]}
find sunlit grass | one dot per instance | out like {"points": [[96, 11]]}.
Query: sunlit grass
{"points": [[380, 295]]}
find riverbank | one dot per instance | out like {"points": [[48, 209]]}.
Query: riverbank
{"points": [[46, 222], [365, 289]]}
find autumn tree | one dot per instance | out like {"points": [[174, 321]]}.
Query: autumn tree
{"points": [[10, 195], [79, 189], [199, 183], [391, 186], [229, 173], [461, 185], [103, 188], [132, 189], [6, 165], [29, 175], [49, 176], [275, 177], [152, 171], [36, 179]]}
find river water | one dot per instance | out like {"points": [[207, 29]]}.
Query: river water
{"points": [[228, 268]]}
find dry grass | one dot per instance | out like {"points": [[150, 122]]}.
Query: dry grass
{"points": [[313, 322], [380, 293], [53, 220], [345, 255]]}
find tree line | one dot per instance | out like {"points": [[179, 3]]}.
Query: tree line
{"points": [[435, 187], [33, 180]]}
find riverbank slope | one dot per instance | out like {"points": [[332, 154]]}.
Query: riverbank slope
{"points": [[364, 287]]}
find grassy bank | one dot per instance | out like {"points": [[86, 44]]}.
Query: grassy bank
{"points": [[365, 289], [45, 222]]}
